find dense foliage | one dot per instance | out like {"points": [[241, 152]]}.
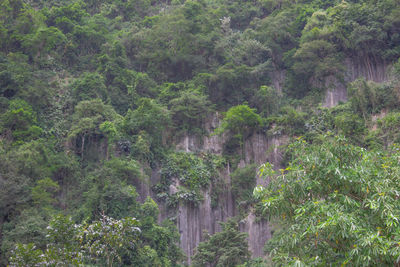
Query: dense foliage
{"points": [[226, 248], [185, 176], [336, 204], [71, 244], [94, 96]]}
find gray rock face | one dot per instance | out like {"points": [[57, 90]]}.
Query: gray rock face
{"points": [[336, 92], [192, 220], [210, 143], [259, 232], [368, 68]]}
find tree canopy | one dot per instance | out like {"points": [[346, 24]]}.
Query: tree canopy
{"points": [[115, 109], [336, 203]]}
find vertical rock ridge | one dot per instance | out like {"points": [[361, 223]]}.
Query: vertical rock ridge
{"points": [[193, 220], [368, 68]]}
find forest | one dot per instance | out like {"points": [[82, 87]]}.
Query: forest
{"points": [[200, 133]]}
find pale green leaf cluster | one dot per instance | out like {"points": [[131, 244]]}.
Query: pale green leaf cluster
{"points": [[336, 204]]}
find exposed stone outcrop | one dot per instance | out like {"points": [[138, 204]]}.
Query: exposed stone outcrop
{"points": [[259, 232], [209, 143], [336, 92], [368, 68], [193, 220]]}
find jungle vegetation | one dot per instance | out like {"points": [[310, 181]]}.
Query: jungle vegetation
{"points": [[95, 94]]}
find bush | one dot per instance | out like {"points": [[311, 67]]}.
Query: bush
{"points": [[243, 181]]}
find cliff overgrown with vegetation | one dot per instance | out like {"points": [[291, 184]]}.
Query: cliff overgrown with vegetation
{"points": [[95, 95]]}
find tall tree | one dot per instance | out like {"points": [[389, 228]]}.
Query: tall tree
{"points": [[336, 204]]}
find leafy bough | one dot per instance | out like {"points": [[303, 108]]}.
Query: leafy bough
{"points": [[334, 204]]}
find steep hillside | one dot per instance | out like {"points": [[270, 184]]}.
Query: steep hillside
{"points": [[174, 133]]}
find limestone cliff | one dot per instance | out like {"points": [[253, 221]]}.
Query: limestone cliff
{"points": [[369, 69], [193, 220]]}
